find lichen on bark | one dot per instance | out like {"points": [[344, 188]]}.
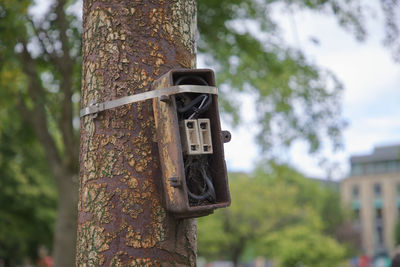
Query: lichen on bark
{"points": [[92, 241], [122, 259], [126, 45]]}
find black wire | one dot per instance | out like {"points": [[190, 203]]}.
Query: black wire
{"points": [[192, 103], [206, 99], [193, 164], [196, 166], [198, 99]]}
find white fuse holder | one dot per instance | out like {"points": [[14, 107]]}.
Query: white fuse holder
{"points": [[205, 136], [191, 138]]}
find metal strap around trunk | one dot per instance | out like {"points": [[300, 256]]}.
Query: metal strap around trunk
{"points": [[173, 90]]}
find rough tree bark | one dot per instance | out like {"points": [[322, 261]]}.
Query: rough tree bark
{"points": [[121, 220]]}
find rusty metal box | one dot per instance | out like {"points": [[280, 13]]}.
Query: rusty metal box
{"points": [[175, 189]]}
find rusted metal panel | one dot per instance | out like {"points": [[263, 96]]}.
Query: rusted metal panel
{"points": [[176, 198]]}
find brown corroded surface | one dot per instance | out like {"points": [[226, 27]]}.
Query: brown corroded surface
{"points": [[167, 125], [122, 222]]}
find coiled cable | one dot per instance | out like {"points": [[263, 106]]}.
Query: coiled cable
{"points": [[205, 100], [197, 178]]}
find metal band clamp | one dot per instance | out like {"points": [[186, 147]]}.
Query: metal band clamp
{"points": [[173, 90]]}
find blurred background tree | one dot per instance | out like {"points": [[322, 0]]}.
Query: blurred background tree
{"points": [[294, 99], [275, 213], [397, 233], [27, 196], [40, 81]]}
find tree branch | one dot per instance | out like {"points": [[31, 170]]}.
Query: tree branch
{"points": [[65, 66], [63, 63], [37, 116], [62, 23]]}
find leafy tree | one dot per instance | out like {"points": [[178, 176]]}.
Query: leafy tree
{"points": [[294, 98], [332, 212], [397, 233], [390, 10], [303, 246], [273, 208], [40, 71], [27, 192], [325, 198]]}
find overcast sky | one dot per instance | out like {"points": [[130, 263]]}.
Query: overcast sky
{"points": [[370, 101]]}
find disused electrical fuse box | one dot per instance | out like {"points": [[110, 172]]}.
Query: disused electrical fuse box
{"points": [[190, 143]]}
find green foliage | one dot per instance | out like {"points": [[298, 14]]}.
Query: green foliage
{"points": [[397, 233], [303, 246], [42, 37], [12, 25], [30, 83], [27, 192], [332, 212], [275, 208], [392, 28], [324, 198], [294, 98]]}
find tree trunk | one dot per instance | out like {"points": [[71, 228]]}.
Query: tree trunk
{"points": [[237, 251], [63, 171], [236, 256], [121, 220], [65, 231]]}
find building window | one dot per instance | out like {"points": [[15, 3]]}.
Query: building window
{"points": [[381, 167], [394, 166], [356, 169], [379, 235], [355, 192], [398, 199], [356, 214], [377, 190], [378, 213], [370, 168]]}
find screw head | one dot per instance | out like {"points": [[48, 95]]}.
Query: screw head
{"points": [[226, 136]]}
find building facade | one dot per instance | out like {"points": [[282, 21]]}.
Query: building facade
{"points": [[372, 192]]}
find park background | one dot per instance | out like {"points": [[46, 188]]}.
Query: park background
{"points": [[339, 46]]}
